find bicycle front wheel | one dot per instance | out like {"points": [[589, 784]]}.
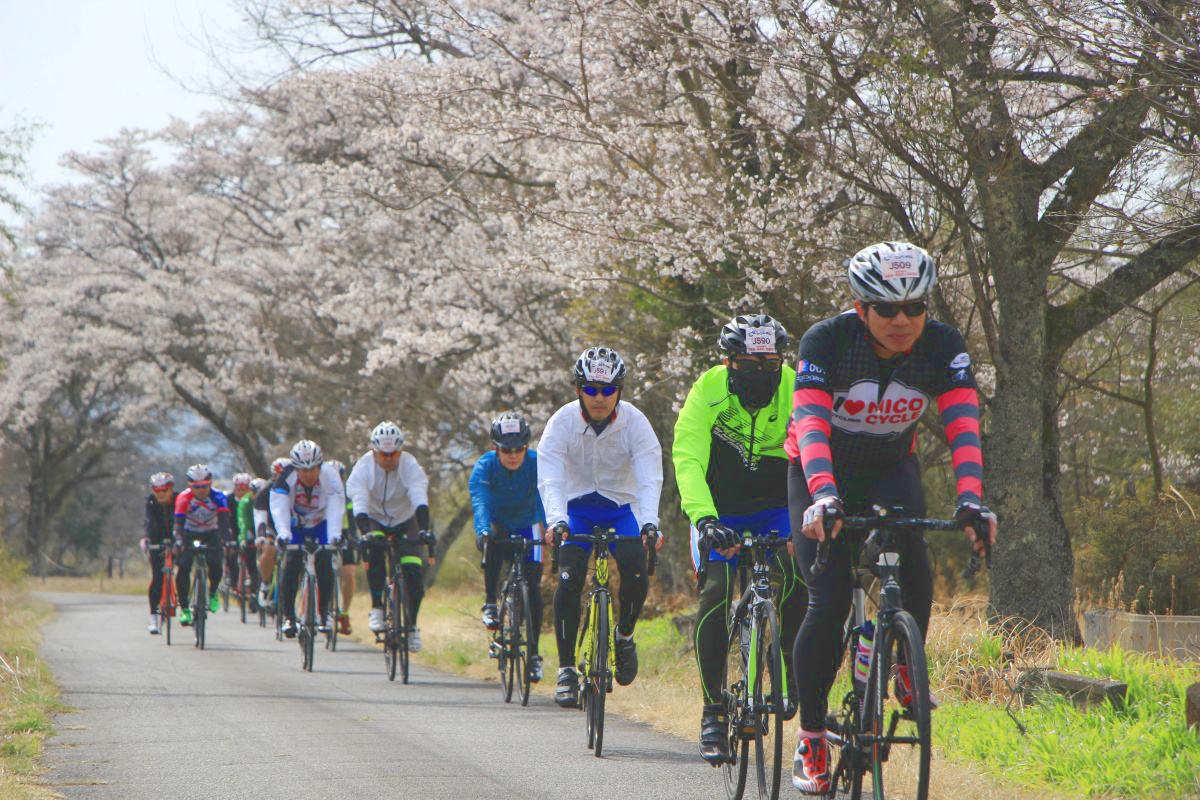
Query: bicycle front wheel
{"points": [[766, 666], [524, 631], [200, 612], [733, 693], [508, 661], [391, 632], [310, 622], [900, 743], [406, 627], [599, 676]]}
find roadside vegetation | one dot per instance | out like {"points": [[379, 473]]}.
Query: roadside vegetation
{"points": [[28, 694]]}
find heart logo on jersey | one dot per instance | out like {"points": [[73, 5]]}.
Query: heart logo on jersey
{"points": [[854, 406]]}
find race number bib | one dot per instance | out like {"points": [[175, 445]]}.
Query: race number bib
{"points": [[894, 266], [600, 371], [760, 340], [510, 426]]}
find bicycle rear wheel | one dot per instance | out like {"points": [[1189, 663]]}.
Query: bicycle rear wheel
{"points": [[767, 667], [165, 626], [524, 629], [335, 608], [242, 583], [900, 747], [508, 632], [599, 672], [733, 692]]}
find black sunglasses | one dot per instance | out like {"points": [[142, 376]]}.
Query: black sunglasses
{"points": [[592, 391], [914, 309], [511, 451]]}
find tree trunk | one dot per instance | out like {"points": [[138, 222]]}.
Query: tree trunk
{"points": [[445, 539], [1034, 567]]}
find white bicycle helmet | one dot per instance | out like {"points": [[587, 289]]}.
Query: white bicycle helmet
{"points": [[306, 455], [890, 272], [600, 365], [386, 438], [278, 464], [199, 475], [162, 480], [242, 479]]}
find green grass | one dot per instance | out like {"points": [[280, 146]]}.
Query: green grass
{"points": [[27, 692], [1141, 751]]}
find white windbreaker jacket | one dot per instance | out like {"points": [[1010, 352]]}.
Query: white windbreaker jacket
{"points": [[291, 503], [389, 498], [624, 463]]}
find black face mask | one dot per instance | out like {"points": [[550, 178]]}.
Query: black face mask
{"points": [[755, 389]]}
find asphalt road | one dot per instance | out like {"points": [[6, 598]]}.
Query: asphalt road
{"points": [[242, 720]]}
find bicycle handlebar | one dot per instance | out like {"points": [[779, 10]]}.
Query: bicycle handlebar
{"points": [[884, 520], [770, 540], [606, 536]]}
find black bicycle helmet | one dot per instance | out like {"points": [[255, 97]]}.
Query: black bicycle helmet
{"points": [[753, 334], [510, 430]]}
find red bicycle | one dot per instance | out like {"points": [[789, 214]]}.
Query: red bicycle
{"points": [[168, 601]]}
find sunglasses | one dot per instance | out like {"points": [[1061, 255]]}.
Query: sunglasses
{"points": [[592, 391], [199, 484], [512, 451], [751, 364], [889, 310]]}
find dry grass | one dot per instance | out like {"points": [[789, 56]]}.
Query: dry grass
{"points": [[134, 582]]}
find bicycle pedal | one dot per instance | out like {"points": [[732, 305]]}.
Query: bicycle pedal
{"points": [[494, 650]]}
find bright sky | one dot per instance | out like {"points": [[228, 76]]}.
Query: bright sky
{"points": [[88, 68]]}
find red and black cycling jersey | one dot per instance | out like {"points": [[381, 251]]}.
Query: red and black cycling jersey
{"points": [[854, 412], [159, 519]]}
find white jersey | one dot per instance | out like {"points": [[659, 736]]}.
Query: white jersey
{"points": [[389, 498], [623, 463], [294, 506]]}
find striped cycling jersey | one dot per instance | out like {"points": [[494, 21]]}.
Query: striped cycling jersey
{"points": [[849, 415], [200, 516]]}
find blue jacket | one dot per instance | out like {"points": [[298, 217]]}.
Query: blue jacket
{"points": [[505, 495]]}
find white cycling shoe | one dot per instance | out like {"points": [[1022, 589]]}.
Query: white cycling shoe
{"points": [[414, 640], [375, 620], [153, 626]]}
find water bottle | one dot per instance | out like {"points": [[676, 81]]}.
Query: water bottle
{"points": [[862, 658]]}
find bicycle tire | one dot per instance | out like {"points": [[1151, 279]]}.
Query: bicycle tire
{"points": [[405, 627], [335, 608], [527, 632], [243, 580], [768, 696], [391, 633], [906, 776], [507, 660], [599, 677], [200, 603], [166, 628], [310, 621], [735, 768]]}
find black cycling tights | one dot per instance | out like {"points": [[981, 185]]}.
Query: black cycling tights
{"points": [[183, 575], [712, 626], [412, 565], [498, 556], [631, 561], [293, 565], [818, 645]]}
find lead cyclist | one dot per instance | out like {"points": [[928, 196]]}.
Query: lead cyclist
{"points": [[863, 381]]}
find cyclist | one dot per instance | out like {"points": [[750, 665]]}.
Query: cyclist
{"points": [[599, 464], [201, 513], [505, 497], [306, 503], [244, 517], [731, 469], [241, 487], [264, 533], [863, 381], [389, 493], [349, 553], [160, 514]]}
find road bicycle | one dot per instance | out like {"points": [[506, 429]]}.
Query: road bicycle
{"points": [[168, 600], [874, 732], [513, 639], [200, 596], [309, 599], [597, 633], [755, 684], [397, 612]]}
